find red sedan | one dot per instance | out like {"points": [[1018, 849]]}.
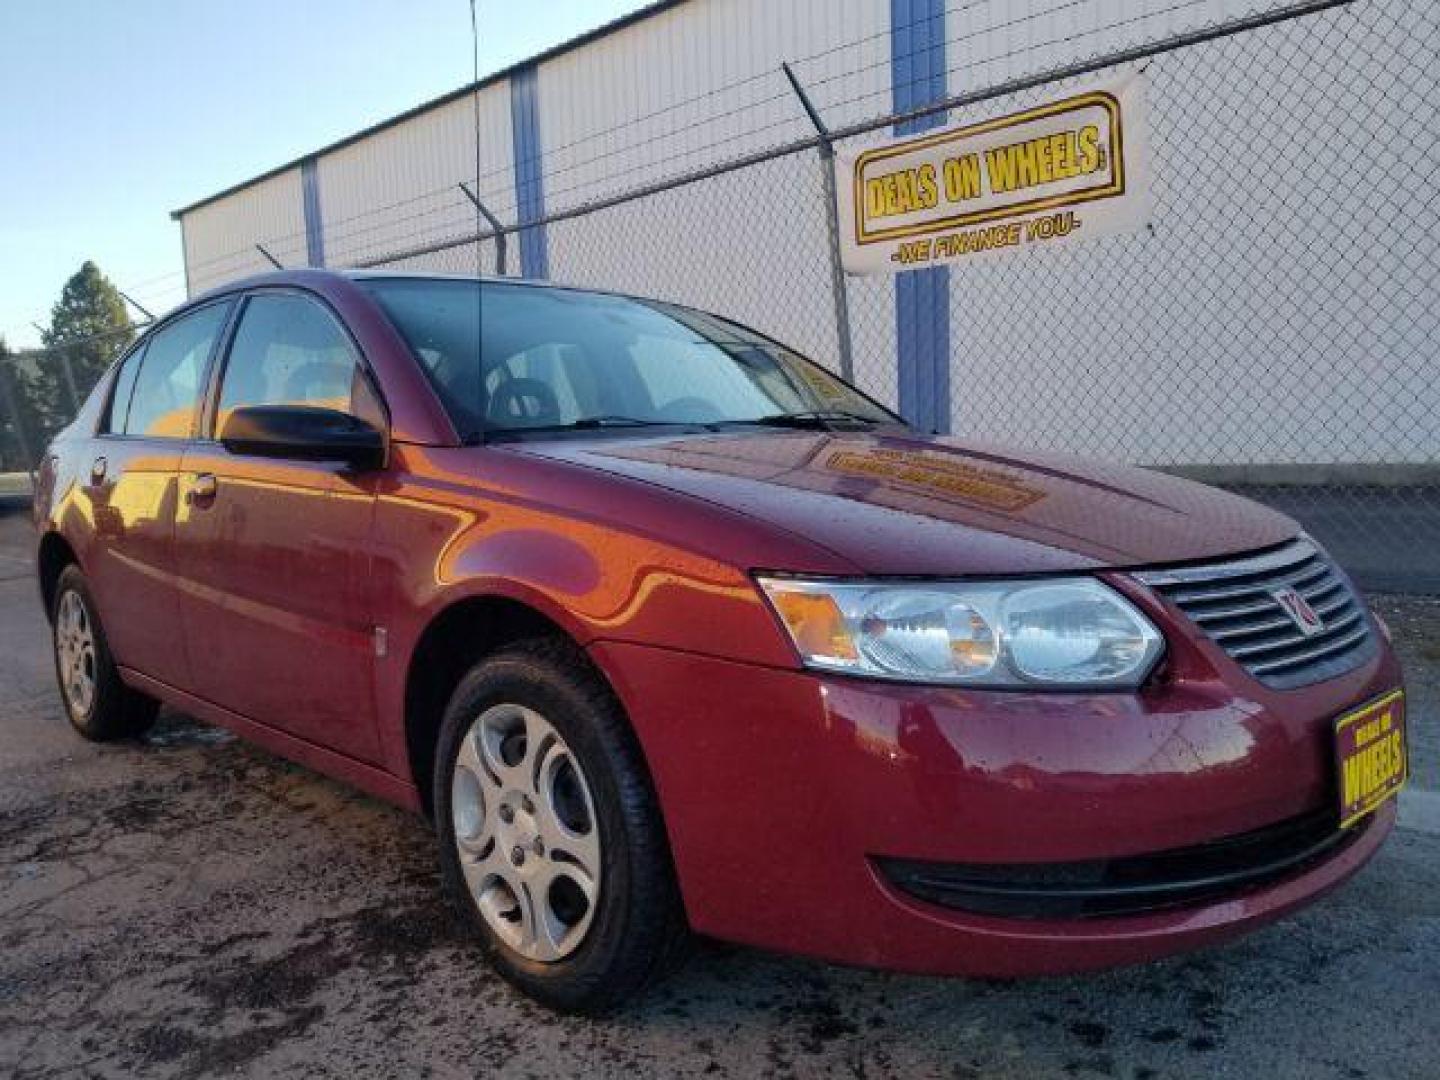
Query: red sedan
{"points": [[669, 630]]}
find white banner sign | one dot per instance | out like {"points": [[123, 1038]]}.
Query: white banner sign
{"points": [[1069, 169]]}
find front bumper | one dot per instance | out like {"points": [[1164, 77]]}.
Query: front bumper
{"points": [[789, 797]]}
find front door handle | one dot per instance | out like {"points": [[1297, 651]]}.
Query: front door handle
{"points": [[97, 471], [202, 490]]}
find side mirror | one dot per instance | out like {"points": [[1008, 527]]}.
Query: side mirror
{"points": [[303, 433]]}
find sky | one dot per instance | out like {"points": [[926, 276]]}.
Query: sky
{"points": [[115, 112]]}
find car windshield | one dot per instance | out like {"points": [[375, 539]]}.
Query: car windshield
{"points": [[553, 359]]}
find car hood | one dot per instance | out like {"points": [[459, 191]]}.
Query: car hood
{"points": [[909, 504]]}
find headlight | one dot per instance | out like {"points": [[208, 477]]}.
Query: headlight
{"points": [[1063, 632]]}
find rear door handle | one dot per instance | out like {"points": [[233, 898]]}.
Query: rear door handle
{"points": [[97, 471], [202, 490]]}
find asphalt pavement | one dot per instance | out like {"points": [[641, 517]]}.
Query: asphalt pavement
{"points": [[190, 906]]}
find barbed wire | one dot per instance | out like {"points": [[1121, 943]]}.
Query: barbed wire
{"points": [[1189, 345], [440, 222], [504, 200]]}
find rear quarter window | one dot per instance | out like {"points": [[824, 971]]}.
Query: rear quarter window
{"points": [[119, 408]]}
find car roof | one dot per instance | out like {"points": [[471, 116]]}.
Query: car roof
{"points": [[323, 281], [317, 279]]}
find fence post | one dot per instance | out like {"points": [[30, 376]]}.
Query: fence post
{"points": [[494, 224], [839, 293], [64, 369], [69, 380], [149, 315]]}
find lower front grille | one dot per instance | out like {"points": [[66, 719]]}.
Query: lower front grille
{"points": [[1240, 604], [1134, 885]]}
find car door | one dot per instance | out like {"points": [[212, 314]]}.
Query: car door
{"points": [[131, 486], [274, 555]]}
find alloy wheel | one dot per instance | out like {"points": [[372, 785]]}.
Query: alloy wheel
{"points": [[75, 650]]}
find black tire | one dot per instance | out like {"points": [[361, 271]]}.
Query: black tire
{"points": [[114, 710], [637, 932]]}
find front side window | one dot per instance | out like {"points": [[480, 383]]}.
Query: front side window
{"points": [[287, 351], [167, 388], [510, 358]]}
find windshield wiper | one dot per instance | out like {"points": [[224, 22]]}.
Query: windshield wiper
{"points": [[588, 423], [811, 419]]}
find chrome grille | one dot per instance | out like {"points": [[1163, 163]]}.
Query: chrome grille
{"points": [[1233, 603]]}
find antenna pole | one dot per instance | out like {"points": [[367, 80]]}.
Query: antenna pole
{"points": [[271, 259], [475, 119], [480, 211]]}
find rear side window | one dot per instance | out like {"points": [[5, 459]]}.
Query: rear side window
{"points": [[124, 388], [167, 389], [288, 350]]}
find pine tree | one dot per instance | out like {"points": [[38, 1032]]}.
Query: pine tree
{"points": [[88, 327]]}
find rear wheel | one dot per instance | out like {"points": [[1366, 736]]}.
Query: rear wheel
{"points": [[100, 706], [551, 838]]}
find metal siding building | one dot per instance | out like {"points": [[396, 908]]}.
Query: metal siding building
{"points": [[720, 62], [677, 87], [397, 187], [220, 237], [1226, 335]]}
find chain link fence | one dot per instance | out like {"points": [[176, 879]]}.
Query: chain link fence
{"points": [[1273, 329], [41, 390]]}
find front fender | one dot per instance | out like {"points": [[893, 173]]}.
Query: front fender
{"points": [[613, 577]]}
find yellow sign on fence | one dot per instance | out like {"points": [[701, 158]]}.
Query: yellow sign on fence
{"points": [[1067, 169]]}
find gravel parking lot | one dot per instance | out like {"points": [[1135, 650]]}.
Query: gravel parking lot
{"points": [[190, 906]]}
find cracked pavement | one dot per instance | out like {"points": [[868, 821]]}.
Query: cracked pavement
{"points": [[190, 906]]}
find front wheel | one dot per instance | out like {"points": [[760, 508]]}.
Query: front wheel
{"points": [[551, 837], [100, 706]]}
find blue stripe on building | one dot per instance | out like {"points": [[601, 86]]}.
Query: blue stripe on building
{"points": [[922, 297], [314, 227], [529, 188]]}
